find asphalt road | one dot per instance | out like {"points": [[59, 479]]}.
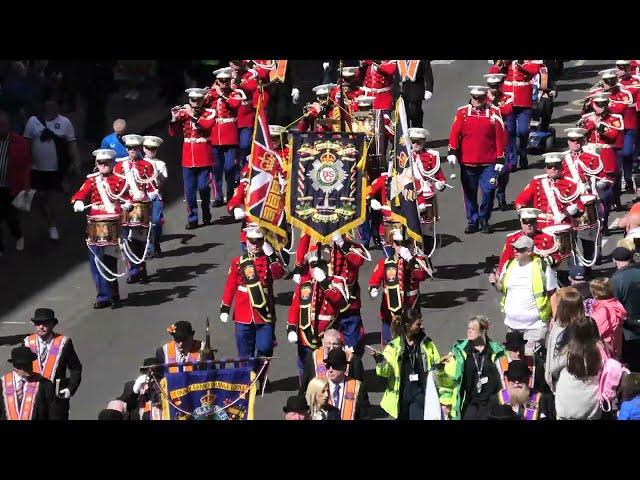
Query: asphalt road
{"points": [[187, 283]]}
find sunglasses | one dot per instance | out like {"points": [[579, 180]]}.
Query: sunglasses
{"points": [[132, 148], [478, 97], [521, 250], [554, 166]]}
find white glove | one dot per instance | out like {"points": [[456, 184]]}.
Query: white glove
{"points": [[296, 278], [138, 198], [78, 206], [498, 167], [224, 317], [64, 393], [338, 240], [452, 159], [440, 186], [601, 184], [238, 213], [292, 337], [153, 195], [267, 249], [375, 204], [427, 95], [295, 95], [572, 210], [422, 207], [140, 381], [373, 293], [319, 275], [325, 66], [127, 206], [405, 254]]}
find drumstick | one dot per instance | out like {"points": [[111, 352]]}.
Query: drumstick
{"points": [[436, 180], [92, 205]]}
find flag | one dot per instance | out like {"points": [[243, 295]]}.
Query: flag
{"points": [[265, 192], [326, 192], [402, 194], [211, 394]]}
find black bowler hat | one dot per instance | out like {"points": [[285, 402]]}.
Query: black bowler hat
{"points": [[44, 315], [22, 357], [296, 404], [337, 359], [515, 341], [147, 363], [518, 370], [181, 330]]}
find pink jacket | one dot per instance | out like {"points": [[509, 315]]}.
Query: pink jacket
{"points": [[609, 315]]}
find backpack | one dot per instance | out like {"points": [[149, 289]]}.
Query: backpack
{"points": [[610, 378]]}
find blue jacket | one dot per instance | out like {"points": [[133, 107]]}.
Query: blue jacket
{"points": [[112, 142], [630, 410]]}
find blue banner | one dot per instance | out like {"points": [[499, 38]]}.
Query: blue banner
{"points": [[212, 394]]}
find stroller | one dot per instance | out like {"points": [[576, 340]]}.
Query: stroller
{"points": [[541, 135]]}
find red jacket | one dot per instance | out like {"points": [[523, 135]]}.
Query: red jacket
{"points": [[622, 102], [19, 164], [518, 81], [236, 289], [196, 149], [614, 125], [504, 102], [89, 193], [543, 245], [238, 201], [632, 83], [378, 278], [477, 136], [144, 171], [225, 128], [573, 165], [310, 121], [249, 85], [377, 82], [534, 195]]}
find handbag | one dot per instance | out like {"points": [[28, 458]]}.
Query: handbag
{"points": [[22, 201]]}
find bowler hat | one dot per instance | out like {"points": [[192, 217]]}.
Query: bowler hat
{"points": [[296, 404], [22, 356], [518, 370], [514, 341], [44, 315], [181, 330], [336, 359]]}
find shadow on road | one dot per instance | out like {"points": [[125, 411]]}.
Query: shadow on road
{"points": [[507, 225], [13, 339], [456, 272], [181, 274], [178, 252], [284, 298], [450, 298], [574, 86], [157, 297], [583, 71], [376, 412], [445, 239], [184, 237], [227, 220], [289, 384]]}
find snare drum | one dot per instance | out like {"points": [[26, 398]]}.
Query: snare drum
{"points": [[103, 230], [589, 218], [430, 214], [562, 234], [138, 216], [389, 227]]}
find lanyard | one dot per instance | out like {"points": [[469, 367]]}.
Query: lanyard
{"points": [[481, 364]]}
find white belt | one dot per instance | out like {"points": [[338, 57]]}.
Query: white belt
{"points": [[226, 120], [325, 318], [244, 102], [602, 145], [517, 84], [242, 288], [196, 140], [412, 292], [376, 90]]}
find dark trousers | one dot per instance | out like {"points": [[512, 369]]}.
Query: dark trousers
{"points": [[197, 179], [9, 214], [225, 163], [518, 127], [411, 402], [474, 179], [631, 354], [137, 247], [254, 340], [62, 406], [244, 148], [107, 291], [415, 114], [476, 411], [625, 156]]}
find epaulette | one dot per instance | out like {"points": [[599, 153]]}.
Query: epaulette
{"points": [[540, 176], [95, 174]]}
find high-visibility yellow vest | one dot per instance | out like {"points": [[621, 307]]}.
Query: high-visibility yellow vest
{"points": [[538, 269]]}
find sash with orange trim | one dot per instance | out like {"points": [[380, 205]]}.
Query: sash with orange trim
{"points": [[408, 69], [531, 411], [349, 398], [318, 363], [280, 71], [170, 355], [15, 411], [53, 354]]}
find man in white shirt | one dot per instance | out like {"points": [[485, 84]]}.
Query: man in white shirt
{"points": [[522, 311], [47, 168]]}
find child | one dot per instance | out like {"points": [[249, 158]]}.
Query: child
{"points": [[630, 408], [609, 314]]}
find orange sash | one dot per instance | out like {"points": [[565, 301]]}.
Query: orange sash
{"points": [[279, 73], [318, 362], [53, 355], [349, 398], [170, 355], [408, 69], [14, 411]]}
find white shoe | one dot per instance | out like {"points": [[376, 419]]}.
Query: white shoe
{"points": [[20, 244], [53, 233]]}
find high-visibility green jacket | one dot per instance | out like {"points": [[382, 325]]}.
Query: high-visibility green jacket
{"points": [[543, 303]]}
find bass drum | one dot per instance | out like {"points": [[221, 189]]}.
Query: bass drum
{"points": [[103, 230], [138, 216]]}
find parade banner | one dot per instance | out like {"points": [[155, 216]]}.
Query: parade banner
{"points": [[206, 393], [408, 69], [326, 192], [402, 194], [266, 190]]}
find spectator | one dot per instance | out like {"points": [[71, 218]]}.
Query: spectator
{"points": [[527, 283], [114, 141], [347, 394], [630, 407], [514, 347], [578, 280], [317, 396], [609, 315], [53, 146], [626, 288], [570, 308], [405, 363], [578, 369], [296, 409], [14, 177], [470, 377]]}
